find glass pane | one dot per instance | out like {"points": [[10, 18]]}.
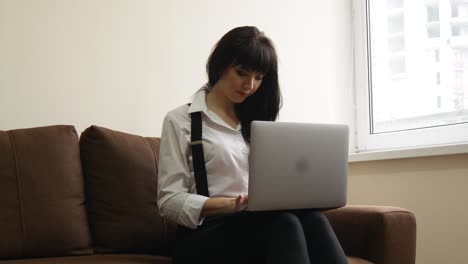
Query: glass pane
{"points": [[418, 63]]}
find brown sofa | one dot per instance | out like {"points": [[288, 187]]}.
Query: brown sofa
{"points": [[92, 199]]}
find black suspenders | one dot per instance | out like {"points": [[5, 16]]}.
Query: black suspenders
{"points": [[198, 156]]}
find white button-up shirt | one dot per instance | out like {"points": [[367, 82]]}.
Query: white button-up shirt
{"points": [[226, 160]]}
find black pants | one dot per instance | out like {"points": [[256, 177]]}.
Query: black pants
{"points": [[261, 237]]}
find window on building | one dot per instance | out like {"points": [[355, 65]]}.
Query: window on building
{"points": [[411, 61]]}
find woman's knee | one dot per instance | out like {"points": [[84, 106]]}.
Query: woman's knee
{"points": [[286, 242], [286, 221], [315, 217]]}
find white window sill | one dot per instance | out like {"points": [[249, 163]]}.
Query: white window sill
{"points": [[409, 153]]}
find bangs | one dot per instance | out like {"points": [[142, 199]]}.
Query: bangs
{"points": [[256, 58]]}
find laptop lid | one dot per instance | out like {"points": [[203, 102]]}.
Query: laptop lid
{"points": [[297, 165]]}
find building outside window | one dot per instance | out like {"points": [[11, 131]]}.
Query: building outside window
{"points": [[412, 73]]}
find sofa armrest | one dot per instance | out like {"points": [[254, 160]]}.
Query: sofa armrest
{"points": [[380, 234]]}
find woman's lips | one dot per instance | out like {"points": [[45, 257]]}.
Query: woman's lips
{"points": [[244, 94]]}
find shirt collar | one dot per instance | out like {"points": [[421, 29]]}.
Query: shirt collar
{"points": [[199, 100], [199, 105]]}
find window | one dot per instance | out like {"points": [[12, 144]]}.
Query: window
{"points": [[411, 73]]}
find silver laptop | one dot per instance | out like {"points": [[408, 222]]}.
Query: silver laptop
{"points": [[297, 166]]}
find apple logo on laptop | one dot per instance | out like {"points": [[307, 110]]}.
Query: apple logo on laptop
{"points": [[302, 166]]}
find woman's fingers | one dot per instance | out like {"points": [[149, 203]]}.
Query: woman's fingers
{"points": [[238, 203], [246, 198], [242, 202]]}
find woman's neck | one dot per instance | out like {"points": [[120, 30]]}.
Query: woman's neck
{"points": [[222, 106], [218, 102]]}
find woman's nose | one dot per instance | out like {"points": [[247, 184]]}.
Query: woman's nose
{"points": [[250, 83]]}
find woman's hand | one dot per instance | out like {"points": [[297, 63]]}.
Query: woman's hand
{"points": [[224, 205], [241, 202]]}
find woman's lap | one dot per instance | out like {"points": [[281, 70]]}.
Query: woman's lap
{"points": [[230, 238], [252, 236]]}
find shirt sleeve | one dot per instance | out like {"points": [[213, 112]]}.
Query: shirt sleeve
{"points": [[175, 202]]}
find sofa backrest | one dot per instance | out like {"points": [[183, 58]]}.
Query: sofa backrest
{"points": [[61, 195], [41, 194], [120, 172]]}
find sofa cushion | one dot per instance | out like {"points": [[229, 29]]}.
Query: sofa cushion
{"points": [[99, 259], [41, 194], [121, 179], [356, 260]]}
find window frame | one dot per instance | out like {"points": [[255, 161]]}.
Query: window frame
{"points": [[365, 141]]}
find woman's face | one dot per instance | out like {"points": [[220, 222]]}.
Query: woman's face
{"points": [[238, 83]]}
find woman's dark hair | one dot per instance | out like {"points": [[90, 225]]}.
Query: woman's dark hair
{"points": [[253, 51]]}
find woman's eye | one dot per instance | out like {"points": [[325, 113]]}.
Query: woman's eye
{"points": [[241, 72], [259, 77]]}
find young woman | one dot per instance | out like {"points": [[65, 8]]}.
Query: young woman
{"points": [[215, 228]]}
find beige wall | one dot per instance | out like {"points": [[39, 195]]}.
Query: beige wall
{"points": [[124, 64], [435, 189]]}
